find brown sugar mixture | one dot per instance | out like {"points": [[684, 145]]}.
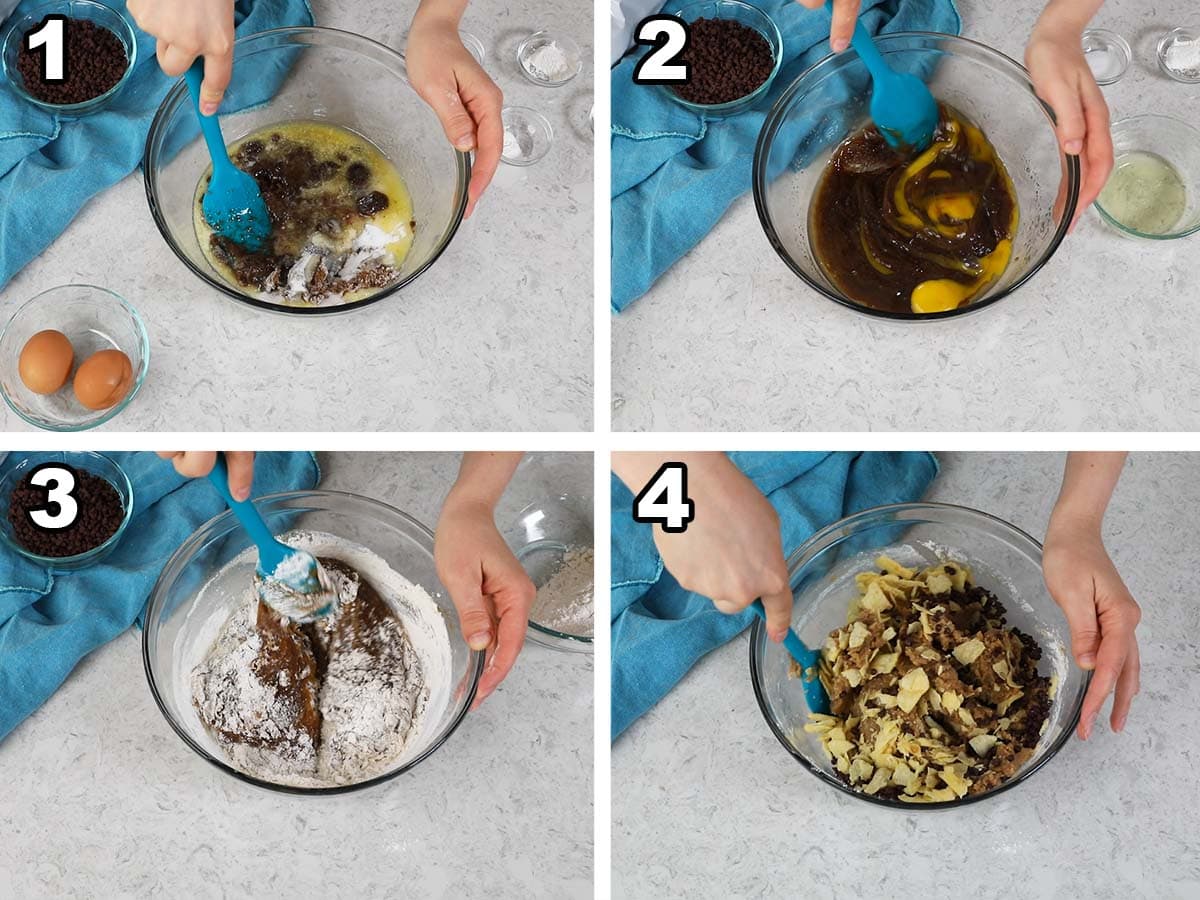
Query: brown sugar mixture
{"points": [[328, 702], [919, 233], [933, 697]]}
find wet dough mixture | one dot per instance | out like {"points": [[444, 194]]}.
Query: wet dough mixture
{"points": [[333, 702], [341, 217], [933, 697], [917, 233]]}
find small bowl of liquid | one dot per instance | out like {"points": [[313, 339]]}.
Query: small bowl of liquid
{"points": [[1154, 189]]}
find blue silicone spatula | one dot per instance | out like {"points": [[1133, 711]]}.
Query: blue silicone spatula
{"points": [[290, 581], [233, 205], [814, 691], [901, 106]]}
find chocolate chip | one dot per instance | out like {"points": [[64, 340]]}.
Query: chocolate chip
{"points": [[358, 175], [728, 60], [95, 61], [100, 512], [370, 204]]}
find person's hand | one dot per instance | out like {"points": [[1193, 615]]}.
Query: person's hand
{"points": [[490, 590], [465, 99], [732, 551], [845, 14], [1101, 614], [185, 29], [1054, 57], [197, 464]]}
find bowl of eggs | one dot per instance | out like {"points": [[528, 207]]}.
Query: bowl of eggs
{"points": [[72, 357]]}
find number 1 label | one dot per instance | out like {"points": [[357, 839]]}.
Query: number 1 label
{"points": [[51, 39]]}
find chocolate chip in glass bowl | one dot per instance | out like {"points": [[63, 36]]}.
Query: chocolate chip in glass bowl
{"points": [[95, 57], [728, 61], [372, 203], [100, 513]]}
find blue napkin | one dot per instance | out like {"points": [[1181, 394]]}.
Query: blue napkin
{"points": [[49, 622], [675, 172], [659, 630], [51, 166]]}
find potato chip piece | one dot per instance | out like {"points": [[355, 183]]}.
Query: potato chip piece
{"points": [[884, 663], [912, 687], [903, 775], [858, 635], [939, 583], [879, 780], [894, 568], [889, 633], [951, 701], [861, 769], [969, 651], [875, 599], [982, 744]]}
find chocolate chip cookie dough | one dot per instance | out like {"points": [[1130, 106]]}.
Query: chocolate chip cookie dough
{"points": [[933, 697]]}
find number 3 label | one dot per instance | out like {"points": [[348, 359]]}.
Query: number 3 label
{"points": [[664, 500], [60, 510], [669, 37]]}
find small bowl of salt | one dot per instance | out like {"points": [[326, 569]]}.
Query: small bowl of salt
{"points": [[549, 59], [527, 135], [1179, 54]]}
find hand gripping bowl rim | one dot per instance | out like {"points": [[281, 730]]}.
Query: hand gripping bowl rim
{"points": [[799, 558], [184, 552], [771, 126], [462, 159]]}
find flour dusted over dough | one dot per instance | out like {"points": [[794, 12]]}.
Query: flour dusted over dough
{"points": [[335, 702]]}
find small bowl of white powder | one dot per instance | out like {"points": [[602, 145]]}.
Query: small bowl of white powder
{"points": [[527, 135], [347, 703], [553, 539], [549, 58]]}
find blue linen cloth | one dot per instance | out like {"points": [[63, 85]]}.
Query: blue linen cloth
{"points": [[675, 172], [49, 622], [51, 166], [659, 630]]}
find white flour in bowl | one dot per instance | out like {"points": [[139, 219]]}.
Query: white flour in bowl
{"points": [[565, 602], [271, 712]]}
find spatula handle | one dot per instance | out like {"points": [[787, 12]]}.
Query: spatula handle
{"points": [[270, 551], [209, 126]]}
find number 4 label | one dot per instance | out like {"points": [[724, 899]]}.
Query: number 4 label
{"points": [[60, 496], [664, 500], [669, 37]]}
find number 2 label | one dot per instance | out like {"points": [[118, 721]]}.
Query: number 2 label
{"points": [[664, 500], [60, 510], [51, 38], [669, 37]]}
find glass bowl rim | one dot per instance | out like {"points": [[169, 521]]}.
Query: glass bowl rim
{"points": [[533, 115], [124, 488], [143, 340], [801, 556], [186, 549], [1133, 232], [555, 36], [1115, 40], [1193, 33], [740, 102], [83, 106], [775, 117], [150, 157]]}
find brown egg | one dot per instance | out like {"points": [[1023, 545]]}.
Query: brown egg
{"points": [[104, 379], [46, 361]]}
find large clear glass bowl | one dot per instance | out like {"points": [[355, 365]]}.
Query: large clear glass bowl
{"points": [[831, 100], [174, 632], [329, 76], [1003, 559]]}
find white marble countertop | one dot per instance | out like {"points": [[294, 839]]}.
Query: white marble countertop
{"points": [[706, 803], [730, 339], [497, 336], [101, 798]]}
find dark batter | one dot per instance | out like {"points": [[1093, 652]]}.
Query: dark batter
{"points": [[915, 233]]}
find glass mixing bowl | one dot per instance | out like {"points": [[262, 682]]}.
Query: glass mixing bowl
{"points": [[1003, 559], [178, 621], [831, 100], [329, 76]]}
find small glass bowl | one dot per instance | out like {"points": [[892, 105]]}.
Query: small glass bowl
{"points": [[102, 15], [1003, 559], [474, 46], [535, 42], [1175, 141], [93, 318], [536, 128], [540, 536], [1169, 40], [1107, 54], [747, 15], [94, 463]]}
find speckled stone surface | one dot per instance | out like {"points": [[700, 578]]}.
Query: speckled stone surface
{"points": [[100, 798], [1101, 338], [706, 803], [496, 336]]}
